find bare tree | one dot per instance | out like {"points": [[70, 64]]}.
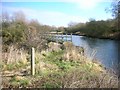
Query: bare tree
{"points": [[19, 16]]}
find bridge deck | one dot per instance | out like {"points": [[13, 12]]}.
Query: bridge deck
{"points": [[58, 37]]}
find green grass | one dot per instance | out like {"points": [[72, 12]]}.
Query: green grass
{"points": [[10, 67], [15, 66], [53, 80], [19, 82], [57, 58], [51, 85], [53, 71]]}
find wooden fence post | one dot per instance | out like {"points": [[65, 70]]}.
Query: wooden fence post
{"points": [[57, 38], [32, 61], [62, 38], [66, 37], [71, 37]]}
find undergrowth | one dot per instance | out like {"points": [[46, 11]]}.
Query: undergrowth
{"points": [[54, 70]]}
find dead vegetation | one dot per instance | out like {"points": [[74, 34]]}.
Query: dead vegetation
{"points": [[62, 66]]}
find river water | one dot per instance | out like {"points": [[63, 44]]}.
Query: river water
{"points": [[104, 50]]}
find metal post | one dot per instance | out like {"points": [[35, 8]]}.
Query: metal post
{"points": [[32, 61]]}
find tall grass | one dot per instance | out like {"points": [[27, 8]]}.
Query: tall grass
{"points": [[14, 55], [67, 68]]}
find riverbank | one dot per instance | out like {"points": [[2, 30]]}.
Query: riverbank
{"points": [[59, 66], [115, 36]]}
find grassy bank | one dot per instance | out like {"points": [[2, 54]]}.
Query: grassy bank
{"points": [[113, 36], [59, 66]]}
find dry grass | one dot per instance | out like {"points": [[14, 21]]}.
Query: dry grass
{"points": [[72, 52], [79, 78], [67, 68], [14, 55], [15, 62]]}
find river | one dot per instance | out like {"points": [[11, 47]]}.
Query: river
{"points": [[104, 50]]}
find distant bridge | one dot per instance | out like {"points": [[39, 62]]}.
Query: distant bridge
{"points": [[57, 37]]}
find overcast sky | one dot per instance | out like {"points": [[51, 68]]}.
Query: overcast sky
{"points": [[59, 12]]}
